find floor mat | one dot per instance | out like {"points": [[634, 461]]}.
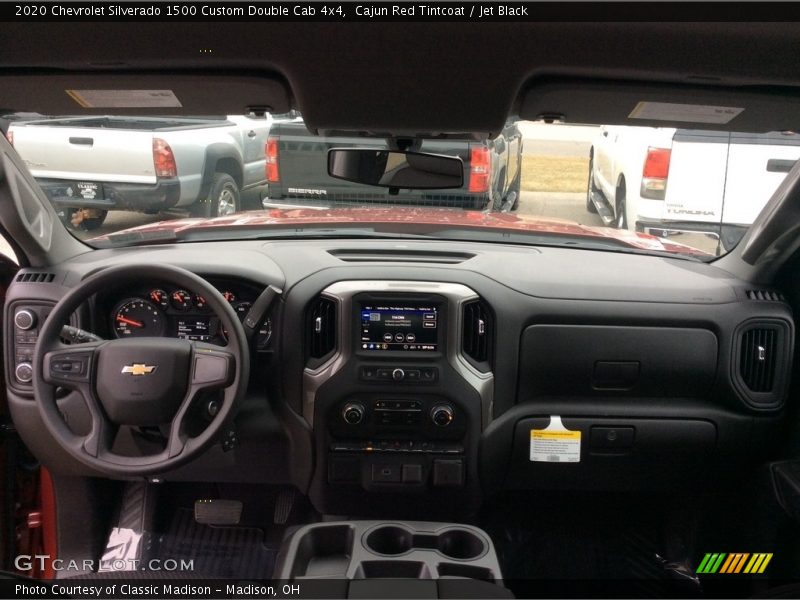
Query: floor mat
{"points": [[578, 551], [217, 552]]}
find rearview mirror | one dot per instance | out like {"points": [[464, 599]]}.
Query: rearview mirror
{"points": [[385, 168]]}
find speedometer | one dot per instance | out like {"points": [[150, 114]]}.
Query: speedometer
{"points": [[137, 318]]}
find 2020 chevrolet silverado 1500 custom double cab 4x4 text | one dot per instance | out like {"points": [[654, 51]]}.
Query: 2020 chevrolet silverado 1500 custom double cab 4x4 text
{"points": [[370, 399]]}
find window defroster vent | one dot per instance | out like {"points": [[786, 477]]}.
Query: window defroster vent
{"points": [[765, 295], [32, 277]]}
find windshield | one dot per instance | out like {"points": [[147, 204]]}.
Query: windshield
{"points": [[125, 180]]}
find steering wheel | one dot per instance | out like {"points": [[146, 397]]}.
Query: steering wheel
{"points": [[138, 381]]}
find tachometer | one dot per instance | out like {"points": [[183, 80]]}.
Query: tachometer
{"points": [[137, 318]]}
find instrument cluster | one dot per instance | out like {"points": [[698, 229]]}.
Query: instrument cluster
{"points": [[164, 311]]}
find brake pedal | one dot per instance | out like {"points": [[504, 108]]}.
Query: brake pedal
{"points": [[217, 512], [283, 506]]}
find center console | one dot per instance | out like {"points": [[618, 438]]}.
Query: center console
{"points": [[433, 560], [396, 405]]}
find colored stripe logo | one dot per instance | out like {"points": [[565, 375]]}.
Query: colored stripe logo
{"points": [[737, 562]]}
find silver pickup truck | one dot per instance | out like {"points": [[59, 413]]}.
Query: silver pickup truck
{"points": [[91, 165]]}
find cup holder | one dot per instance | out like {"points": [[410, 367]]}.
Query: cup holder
{"points": [[390, 540], [371, 549], [461, 544], [458, 544]]}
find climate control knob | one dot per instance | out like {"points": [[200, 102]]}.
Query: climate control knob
{"points": [[442, 415], [353, 413]]}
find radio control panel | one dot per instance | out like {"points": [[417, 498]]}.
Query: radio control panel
{"points": [[399, 374]]}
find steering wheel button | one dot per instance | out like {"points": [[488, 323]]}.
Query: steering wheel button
{"points": [[210, 369]]}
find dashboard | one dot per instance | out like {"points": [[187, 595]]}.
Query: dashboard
{"points": [[388, 374]]}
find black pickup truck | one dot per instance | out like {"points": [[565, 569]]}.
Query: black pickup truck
{"points": [[297, 171]]}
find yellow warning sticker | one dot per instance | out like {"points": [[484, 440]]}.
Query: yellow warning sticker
{"points": [[555, 443]]}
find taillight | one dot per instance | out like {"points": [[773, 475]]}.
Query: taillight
{"points": [[655, 173], [480, 169], [164, 159], [271, 154], [10, 137]]}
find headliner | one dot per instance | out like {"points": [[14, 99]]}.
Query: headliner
{"points": [[419, 78]]}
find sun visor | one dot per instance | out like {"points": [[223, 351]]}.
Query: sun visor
{"points": [[661, 105], [143, 93]]}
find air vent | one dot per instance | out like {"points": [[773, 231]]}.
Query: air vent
{"points": [[405, 256], [321, 328], [29, 277], [758, 358], [476, 333], [765, 295]]}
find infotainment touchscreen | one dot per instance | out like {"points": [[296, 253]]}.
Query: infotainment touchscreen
{"points": [[399, 326]]}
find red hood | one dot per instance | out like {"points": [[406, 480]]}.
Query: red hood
{"points": [[396, 219]]}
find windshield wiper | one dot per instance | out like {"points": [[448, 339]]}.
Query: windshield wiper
{"points": [[331, 233], [135, 238], [559, 240], [143, 238]]}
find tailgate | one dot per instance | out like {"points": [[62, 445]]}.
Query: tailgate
{"points": [[757, 165], [696, 183], [85, 153], [304, 164], [304, 168]]}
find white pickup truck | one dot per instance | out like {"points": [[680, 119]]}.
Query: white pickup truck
{"points": [[665, 180], [148, 164]]}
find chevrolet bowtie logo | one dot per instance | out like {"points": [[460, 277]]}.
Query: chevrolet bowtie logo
{"points": [[138, 369]]}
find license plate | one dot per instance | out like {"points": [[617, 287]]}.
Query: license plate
{"points": [[89, 190]]}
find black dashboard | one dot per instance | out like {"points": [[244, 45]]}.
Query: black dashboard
{"points": [[402, 368]]}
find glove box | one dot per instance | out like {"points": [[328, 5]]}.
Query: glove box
{"points": [[615, 454]]}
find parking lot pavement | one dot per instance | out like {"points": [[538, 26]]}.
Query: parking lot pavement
{"points": [[559, 205]]}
